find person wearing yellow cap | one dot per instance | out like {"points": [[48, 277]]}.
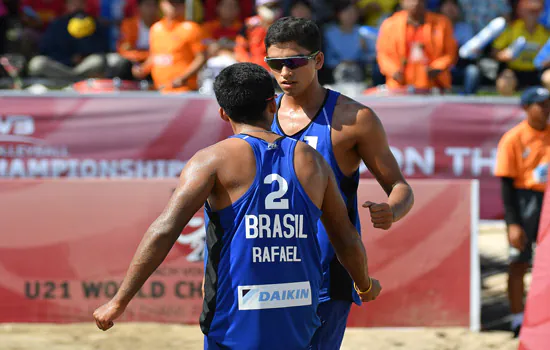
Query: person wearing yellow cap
{"points": [[73, 46]]}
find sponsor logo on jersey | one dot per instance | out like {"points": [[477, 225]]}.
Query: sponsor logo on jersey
{"points": [[274, 296]]}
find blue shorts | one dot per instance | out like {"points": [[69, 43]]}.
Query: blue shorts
{"points": [[210, 344], [334, 316]]}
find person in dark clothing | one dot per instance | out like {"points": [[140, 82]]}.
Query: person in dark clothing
{"points": [[73, 47]]}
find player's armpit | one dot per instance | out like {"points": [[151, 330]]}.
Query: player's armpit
{"points": [[342, 234], [196, 181], [374, 150]]}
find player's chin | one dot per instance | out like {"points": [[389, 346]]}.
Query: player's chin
{"points": [[289, 89]]}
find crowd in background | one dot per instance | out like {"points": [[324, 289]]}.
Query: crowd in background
{"points": [[408, 44]]}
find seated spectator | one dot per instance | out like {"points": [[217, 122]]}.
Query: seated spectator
{"points": [[176, 50], [345, 49], [220, 37], [322, 10], [72, 47], [416, 48], [133, 45], [221, 33], [465, 72], [211, 9], [250, 42], [35, 17], [520, 72], [373, 10], [301, 9]]}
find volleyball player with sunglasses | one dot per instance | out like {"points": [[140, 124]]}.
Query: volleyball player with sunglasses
{"points": [[345, 133]]}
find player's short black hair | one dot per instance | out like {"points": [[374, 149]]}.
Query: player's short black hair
{"points": [[300, 30], [243, 90]]}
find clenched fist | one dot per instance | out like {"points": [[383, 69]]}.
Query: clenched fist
{"points": [[381, 214], [107, 313], [373, 291]]}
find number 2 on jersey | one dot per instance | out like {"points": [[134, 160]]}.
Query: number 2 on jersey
{"points": [[273, 200], [312, 141]]}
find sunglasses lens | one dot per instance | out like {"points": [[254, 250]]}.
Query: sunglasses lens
{"points": [[297, 62], [275, 64], [291, 63]]}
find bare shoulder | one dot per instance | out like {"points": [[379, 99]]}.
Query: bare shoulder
{"points": [[213, 157], [350, 112], [308, 161], [307, 155]]}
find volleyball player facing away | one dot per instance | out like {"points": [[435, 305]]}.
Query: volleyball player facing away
{"points": [[345, 133], [263, 195]]}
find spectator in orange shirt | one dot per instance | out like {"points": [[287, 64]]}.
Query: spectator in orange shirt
{"points": [[133, 44], [221, 33], [176, 50], [250, 43], [523, 158], [416, 48]]}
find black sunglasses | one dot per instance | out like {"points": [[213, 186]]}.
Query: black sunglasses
{"points": [[292, 62]]}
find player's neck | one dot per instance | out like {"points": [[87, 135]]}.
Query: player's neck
{"points": [[247, 128], [311, 98]]}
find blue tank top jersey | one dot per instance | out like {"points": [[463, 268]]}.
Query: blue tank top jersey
{"points": [[263, 267], [337, 284]]}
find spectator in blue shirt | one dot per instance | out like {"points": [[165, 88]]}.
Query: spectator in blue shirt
{"points": [[465, 73], [345, 49]]}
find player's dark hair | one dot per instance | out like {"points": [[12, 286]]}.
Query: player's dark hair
{"points": [[300, 30], [243, 90]]}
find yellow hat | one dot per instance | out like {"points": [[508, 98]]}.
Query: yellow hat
{"points": [[81, 27]]}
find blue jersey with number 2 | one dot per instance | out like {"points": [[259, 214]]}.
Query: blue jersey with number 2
{"points": [[263, 262]]}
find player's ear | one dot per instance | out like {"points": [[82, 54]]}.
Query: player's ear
{"points": [[223, 115], [319, 60], [272, 106]]}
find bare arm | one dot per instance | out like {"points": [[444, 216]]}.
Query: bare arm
{"points": [[374, 150], [196, 65], [196, 182], [343, 235]]}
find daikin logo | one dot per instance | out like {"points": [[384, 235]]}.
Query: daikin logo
{"points": [[274, 296]]}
